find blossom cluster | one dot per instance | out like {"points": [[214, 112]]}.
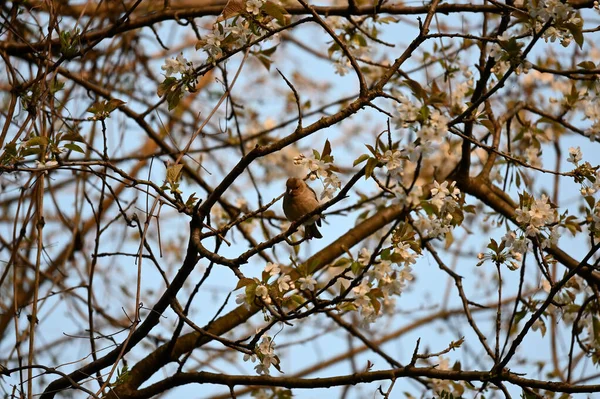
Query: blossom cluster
{"points": [[354, 42], [273, 286], [595, 225], [386, 278], [592, 112], [430, 129], [265, 353], [507, 52], [564, 17], [535, 216], [238, 31], [265, 289], [445, 213], [321, 167], [177, 65], [538, 220], [429, 124]]}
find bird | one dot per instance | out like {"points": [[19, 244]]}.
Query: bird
{"points": [[300, 199]]}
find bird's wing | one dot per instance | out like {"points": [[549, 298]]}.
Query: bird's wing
{"points": [[312, 191]]}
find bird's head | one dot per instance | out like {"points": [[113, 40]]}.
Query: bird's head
{"points": [[293, 186]]}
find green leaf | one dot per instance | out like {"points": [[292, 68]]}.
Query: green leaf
{"points": [[165, 86], [577, 34], [332, 49], [232, 8], [341, 262], [587, 65], [11, 149], [596, 328], [56, 86], [370, 147], [36, 141], [265, 61], [269, 52], [376, 304], [371, 165], [326, 149], [173, 97], [276, 11], [489, 125], [387, 20], [114, 104], [72, 136], [360, 39], [174, 172], [31, 151], [449, 240], [356, 268], [96, 107], [74, 147], [416, 88], [244, 282], [191, 200], [528, 395], [360, 159]]}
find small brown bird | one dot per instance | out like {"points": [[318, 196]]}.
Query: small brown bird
{"points": [[300, 199]]}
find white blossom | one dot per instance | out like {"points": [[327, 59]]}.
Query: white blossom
{"points": [[364, 257], [253, 6], [175, 65], [307, 283], [241, 299], [284, 283], [263, 292], [392, 159], [575, 155], [272, 268]]}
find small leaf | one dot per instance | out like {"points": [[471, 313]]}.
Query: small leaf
{"points": [[371, 164], [360, 159], [449, 240], [165, 86], [457, 344], [265, 61], [37, 141], [96, 107], [341, 262], [587, 65], [72, 136], [74, 147], [174, 172], [370, 147], [191, 200], [360, 39], [596, 329], [114, 104], [326, 149], [528, 395], [416, 89], [244, 282], [576, 32], [173, 97], [232, 8], [276, 11], [356, 268], [269, 52], [11, 149]]}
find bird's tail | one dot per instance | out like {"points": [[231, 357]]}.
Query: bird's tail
{"points": [[312, 231]]}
